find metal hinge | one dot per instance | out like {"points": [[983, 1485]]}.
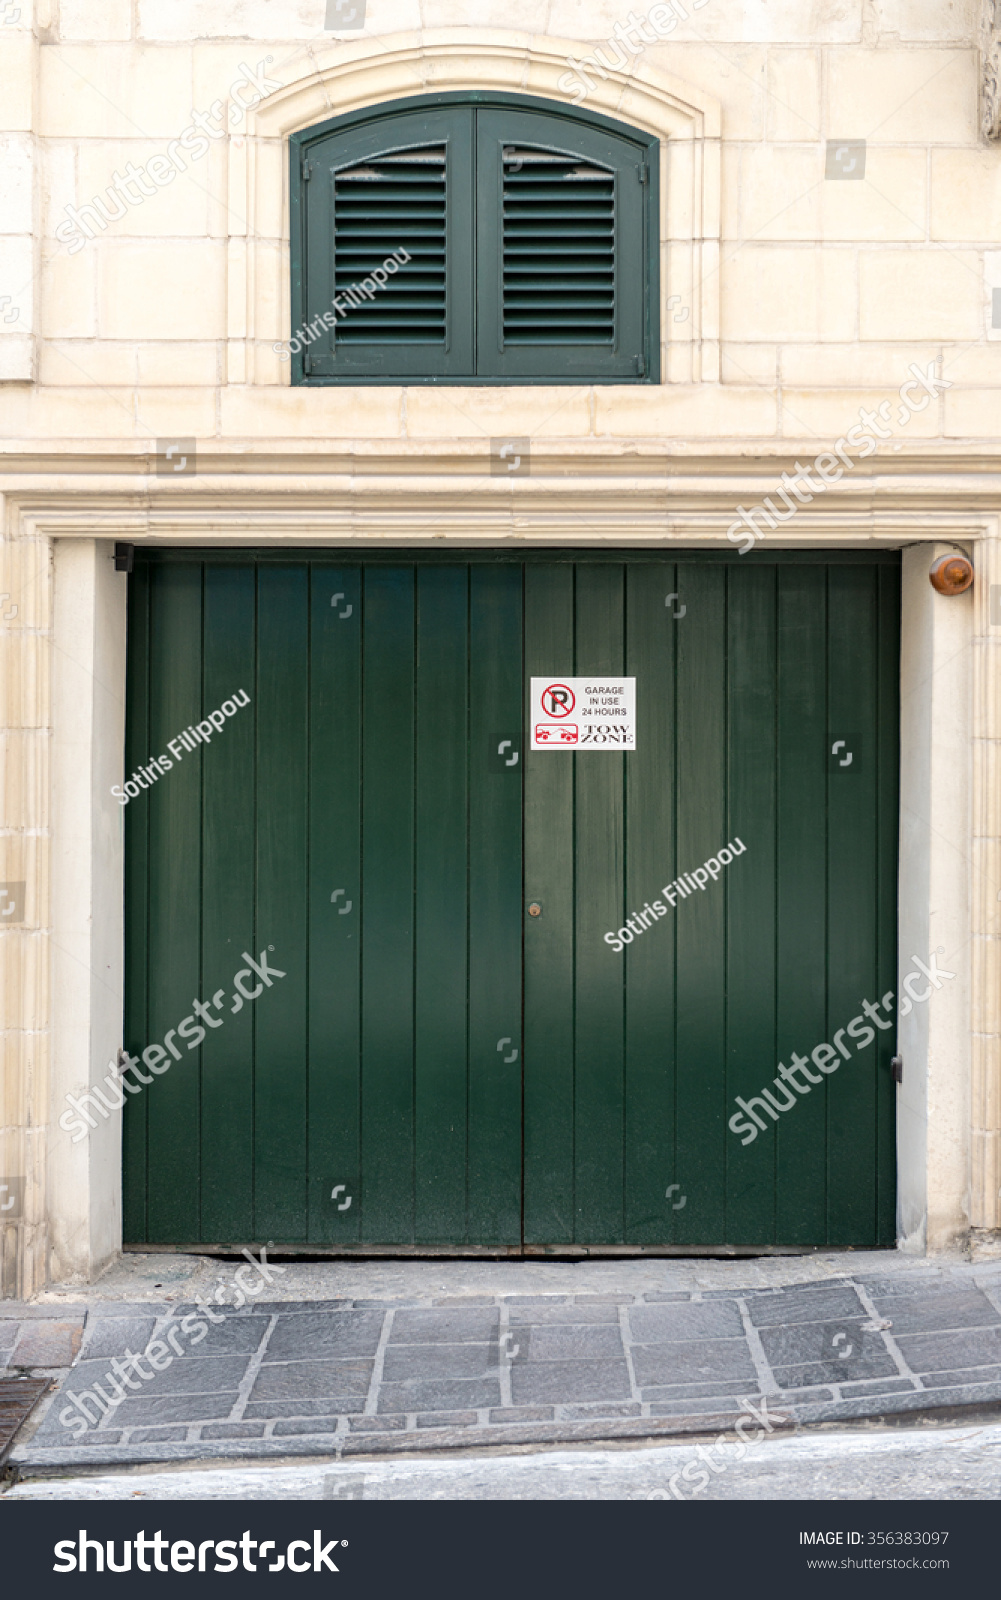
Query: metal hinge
{"points": [[641, 366], [897, 1068], [644, 172], [307, 364], [305, 169]]}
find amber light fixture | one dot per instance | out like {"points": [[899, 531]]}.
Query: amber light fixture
{"points": [[951, 574]]}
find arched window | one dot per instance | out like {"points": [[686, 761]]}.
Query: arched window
{"points": [[474, 239]]}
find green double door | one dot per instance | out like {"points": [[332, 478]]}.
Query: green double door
{"points": [[455, 1055]]}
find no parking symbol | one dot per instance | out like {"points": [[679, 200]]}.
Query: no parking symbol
{"points": [[583, 713], [558, 700]]}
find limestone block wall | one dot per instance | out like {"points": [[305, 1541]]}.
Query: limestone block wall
{"points": [[20, 189], [826, 289]]}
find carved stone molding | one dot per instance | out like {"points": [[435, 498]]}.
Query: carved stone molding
{"points": [[990, 44]]}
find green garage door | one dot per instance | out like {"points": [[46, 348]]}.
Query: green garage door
{"points": [[401, 981]]}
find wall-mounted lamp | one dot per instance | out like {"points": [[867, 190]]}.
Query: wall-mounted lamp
{"points": [[951, 574]]}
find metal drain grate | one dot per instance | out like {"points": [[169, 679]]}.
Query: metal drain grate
{"points": [[18, 1397]]}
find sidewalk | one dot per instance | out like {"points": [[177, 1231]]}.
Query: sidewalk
{"points": [[909, 1464], [448, 1355]]}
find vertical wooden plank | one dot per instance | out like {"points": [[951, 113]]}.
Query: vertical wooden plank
{"points": [[852, 900], [279, 1011], [701, 964], [801, 868], [335, 904], [599, 990], [748, 889], [174, 971], [440, 906], [549, 958], [136, 825], [387, 906], [888, 801], [495, 904], [651, 781], [225, 1057]]}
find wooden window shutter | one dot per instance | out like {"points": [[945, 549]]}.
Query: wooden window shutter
{"points": [[377, 193], [564, 250], [526, 240]]}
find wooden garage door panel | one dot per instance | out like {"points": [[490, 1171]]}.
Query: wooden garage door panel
{"points": [[358, 819], [365, 816], [744, 679]]}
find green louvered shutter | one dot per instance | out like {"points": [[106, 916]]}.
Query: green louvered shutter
{"points": [[532, 236], [400, 195], [558, 229], [563, 231], [393, 186]]}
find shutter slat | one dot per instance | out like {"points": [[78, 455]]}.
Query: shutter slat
{"points": [[558, 242], [387, 203]]}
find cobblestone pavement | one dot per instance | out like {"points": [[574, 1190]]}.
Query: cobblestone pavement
{"points": [[906, 1464], [343, 1377]]}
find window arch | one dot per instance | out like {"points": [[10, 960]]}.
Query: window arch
{"points": [[474, 238]]}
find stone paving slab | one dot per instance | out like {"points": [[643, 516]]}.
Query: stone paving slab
{"points": [[172, 1382], [44, 1344], [32, 1311]]}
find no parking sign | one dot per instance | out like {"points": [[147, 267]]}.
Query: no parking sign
{"points": [[583, 714]]}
